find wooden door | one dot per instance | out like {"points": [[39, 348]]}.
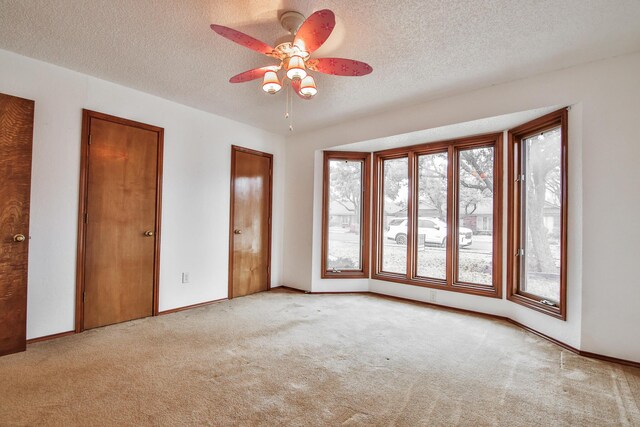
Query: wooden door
{"points": [[250, 231], [16, 137], [120, 220]]}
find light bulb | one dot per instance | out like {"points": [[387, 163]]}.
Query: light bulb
{"points": [[271, 84], [308, 86], [295, 68]]}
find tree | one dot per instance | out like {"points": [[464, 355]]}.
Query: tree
{"points": [[396, 180], [542, 181], [346, 185], [476, 178], [432, 182]]}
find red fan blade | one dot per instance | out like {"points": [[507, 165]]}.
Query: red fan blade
{"points": [[315, 30], [339, 66], [295, 84], [244, 40], [256, 73]]}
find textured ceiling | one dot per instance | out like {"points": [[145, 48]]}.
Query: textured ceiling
{"points": [[419, 49]]}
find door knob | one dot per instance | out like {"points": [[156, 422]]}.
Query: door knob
{"points": [[19, 238], [148, 233], [237, 231]]}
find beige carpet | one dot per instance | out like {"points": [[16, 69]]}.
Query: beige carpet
{"points": [[285, 358]]}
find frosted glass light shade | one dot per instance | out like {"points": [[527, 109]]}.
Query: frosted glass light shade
{"points": [[271, 84], [308, 86], [295, 68]]}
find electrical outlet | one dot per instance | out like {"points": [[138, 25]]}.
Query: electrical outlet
{"points": [[185, 277], [432, 295]]}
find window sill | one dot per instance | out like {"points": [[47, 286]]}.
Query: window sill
{"points": [[344, 275], [533, 304], [478, 290]]}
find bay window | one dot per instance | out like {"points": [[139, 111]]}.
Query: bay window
{"points": [[437, 215]]}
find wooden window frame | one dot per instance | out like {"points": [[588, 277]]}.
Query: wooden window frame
{"points": [[363, 272], [452, 147], [415, 208], [514, 294], [378, 235]]}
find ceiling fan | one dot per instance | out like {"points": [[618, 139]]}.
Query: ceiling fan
{"points": [[294, 53]]}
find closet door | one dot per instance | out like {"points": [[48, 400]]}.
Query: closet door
{"points": [[250, 234], [16, 137], [121, 220]]}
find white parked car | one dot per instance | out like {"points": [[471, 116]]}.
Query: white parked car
{"points": [[433, 230]]}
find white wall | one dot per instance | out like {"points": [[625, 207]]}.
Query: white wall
{"points": [[603, 284], [195, 204]]}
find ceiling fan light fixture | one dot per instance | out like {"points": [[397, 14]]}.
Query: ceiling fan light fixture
{"points": [[293, 52], [271, 83], [295, 68], [308, 86]]}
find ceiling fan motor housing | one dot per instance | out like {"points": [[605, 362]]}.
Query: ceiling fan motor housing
{"points": [[291, 21]]}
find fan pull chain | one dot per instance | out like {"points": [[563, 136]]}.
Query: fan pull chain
{"points": [[286, 103], [288, 109]]}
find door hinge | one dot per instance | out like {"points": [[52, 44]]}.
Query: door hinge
{"points": [[85, 217], [520, 178], [89, 139], [520, 252], [84, 297]]}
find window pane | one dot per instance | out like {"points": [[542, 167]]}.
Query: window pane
{"points": [[345, 215], [432, 213], [475, 215], [394, 208], [542, 196]]}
